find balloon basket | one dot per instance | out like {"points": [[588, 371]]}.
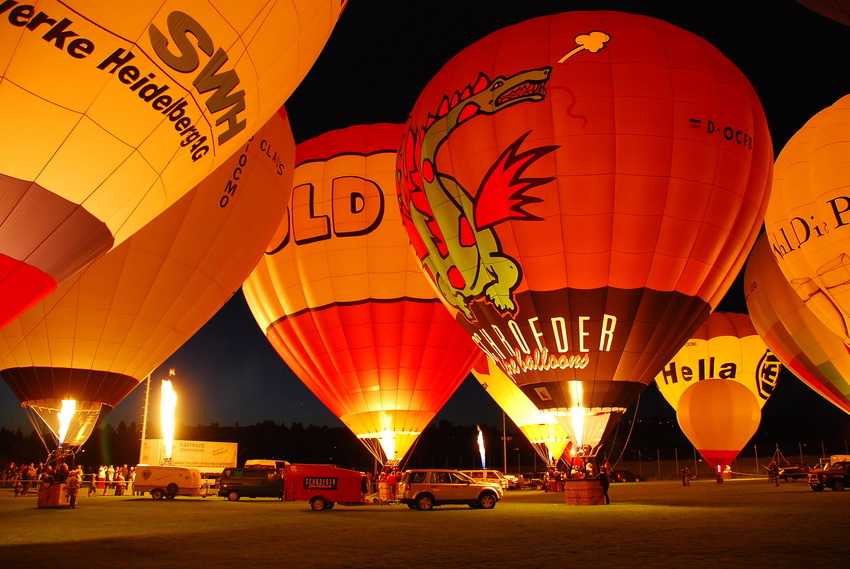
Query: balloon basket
{"points": [[585, 492], [53, 496]]}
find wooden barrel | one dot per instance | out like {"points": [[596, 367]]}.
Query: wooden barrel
{"points": [[584, 492]]}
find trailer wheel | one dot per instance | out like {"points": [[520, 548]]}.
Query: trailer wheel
{"points": [[157, 494], [317, 504], [171, 490]]}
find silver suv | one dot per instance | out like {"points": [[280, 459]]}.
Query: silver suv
{"points": [[422, 489]]}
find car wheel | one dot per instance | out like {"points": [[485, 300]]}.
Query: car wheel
{"points": [[789, 479], [817, 488], [157, 494], [317, 504], [424, 502], [233, 495], [538, 486], [838, 486], [487, 501]]}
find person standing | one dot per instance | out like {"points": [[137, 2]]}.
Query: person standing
{"points": [[685, 475], [605, 482], [72, 484]]}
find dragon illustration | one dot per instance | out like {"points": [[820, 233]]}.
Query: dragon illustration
{"points": [[451, 229]]}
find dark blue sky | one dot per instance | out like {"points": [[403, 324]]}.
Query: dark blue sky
{"points": [[380, 56]]}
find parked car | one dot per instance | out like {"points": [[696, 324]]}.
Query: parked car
{"points": [[533, 480], [250, 482], [794, 472], [625, 476], [493, 476], [422, 489]]}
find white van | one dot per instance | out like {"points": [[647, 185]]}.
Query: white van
{"points": [[168, 481]]}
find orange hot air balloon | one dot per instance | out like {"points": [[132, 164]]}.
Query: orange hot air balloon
{"points": [[92, 340], [803, 343], [726, 347], [583, 188], [109, 113], [344, 302], [808, 218], [719, 417], [542, 429], [838, 10]]}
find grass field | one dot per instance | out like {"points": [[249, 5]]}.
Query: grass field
{"points": [[741, 523]]}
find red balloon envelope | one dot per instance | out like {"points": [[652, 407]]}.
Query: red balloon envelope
{"points": [[343, 301], [582, 188], [719, 417]]}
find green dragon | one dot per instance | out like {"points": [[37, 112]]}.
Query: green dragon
{"points": [[452, 230]]}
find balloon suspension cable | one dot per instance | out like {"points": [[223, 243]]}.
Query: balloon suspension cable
{"points": [[629, 436]]}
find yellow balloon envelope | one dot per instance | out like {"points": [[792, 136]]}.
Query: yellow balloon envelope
{"points": [[803, 343], [718, 417], [101, 332], [344, 302], [542, 429], [109, 112], [726, 346], [808, 217]]}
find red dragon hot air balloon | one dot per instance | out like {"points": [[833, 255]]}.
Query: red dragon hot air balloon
{"points": [[343, 301], [81, 350], [582, 189], [109, 112], [726, 346], [803, 343], [719, 417]]}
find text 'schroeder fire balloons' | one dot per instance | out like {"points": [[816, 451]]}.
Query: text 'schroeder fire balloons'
{"points": [[90, 342], [582, 189], [342, 299], [109, 112]]}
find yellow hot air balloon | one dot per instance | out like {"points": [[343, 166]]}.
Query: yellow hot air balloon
{"points": [[100, 333], [803, 343], [344, 303], [719, 417], [542, 429], [109, 112], [726, 346], [808, 218]]}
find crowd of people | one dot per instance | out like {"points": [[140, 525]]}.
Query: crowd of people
{"points": [[26, 479]]}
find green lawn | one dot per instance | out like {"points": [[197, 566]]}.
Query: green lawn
{"points": [[741, 523]]}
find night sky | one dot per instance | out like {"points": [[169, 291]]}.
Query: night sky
{"points": [[380, 56]]}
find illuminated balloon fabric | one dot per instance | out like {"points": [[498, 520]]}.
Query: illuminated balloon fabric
{"points": [[838, 10], [344, 302], [726, 346], [109, 113], [584, 216], [102, 331], [542, 429], [807, 218], [719, 417], [803, 343]]}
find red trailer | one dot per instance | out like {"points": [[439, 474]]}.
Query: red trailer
{"points": [[323, 485]]}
